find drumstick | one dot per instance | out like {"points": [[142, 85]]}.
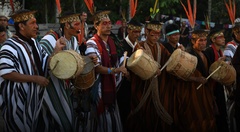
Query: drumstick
{"points": [[166, 64], [125, 56], [124, 59], [210, 76], [169, 60]]}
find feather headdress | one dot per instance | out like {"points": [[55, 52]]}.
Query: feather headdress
{"points": [[231, 8], [154, 10], [58, 4], [133, 7], [90, 6], [191, 14]]}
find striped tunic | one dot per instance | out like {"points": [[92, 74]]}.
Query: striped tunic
{"points": [[109, 120], [57, 107], [230, 49], [21, 101]]}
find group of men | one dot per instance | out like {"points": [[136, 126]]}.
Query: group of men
{"points": [[33, 99]]}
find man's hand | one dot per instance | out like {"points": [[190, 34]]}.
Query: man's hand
{"points": [[181, 47], [42, 81], [60, 44]]}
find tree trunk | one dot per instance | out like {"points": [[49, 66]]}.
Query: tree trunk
{"points": [[74, 7], [209, 9]]}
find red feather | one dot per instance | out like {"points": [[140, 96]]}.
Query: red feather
{"points": [[58, 6], [12, 5]]}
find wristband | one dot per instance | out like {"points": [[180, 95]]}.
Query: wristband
{"points": [[109, 71]]}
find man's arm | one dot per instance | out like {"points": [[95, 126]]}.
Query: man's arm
{"points": [[17, 77]]}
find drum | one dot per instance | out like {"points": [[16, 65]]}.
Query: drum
{"points": [[66, 64], [226, 74], [86, 79], [182, 64], [142, 64]]}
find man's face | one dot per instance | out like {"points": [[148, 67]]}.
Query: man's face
{"points": [[237, 34], [3, 37], [133, 34], [3, 21], [104, 28], [219, 40], [30, 30], [174, 38], [153, 36], [83, 17], [74, 28], [200, 44]]}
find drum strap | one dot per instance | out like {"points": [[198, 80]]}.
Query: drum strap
{"points": [[153, 88], [149, 52]]}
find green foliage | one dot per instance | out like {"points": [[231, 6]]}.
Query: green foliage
{"points": [[167, 7]]}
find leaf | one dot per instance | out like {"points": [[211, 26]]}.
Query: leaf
{"points": [[157, 10]]}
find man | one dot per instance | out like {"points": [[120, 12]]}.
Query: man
{"points": [[147, 112], [122, 31], [23, 74], [172, 34], [84, 30], [214, 53], [60, 107], [124, 90], [104, 114], [195, 109], [231, 46], [3, 35], [184, 34], [4, 22]]}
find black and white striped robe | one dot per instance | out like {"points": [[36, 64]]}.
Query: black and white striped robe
{"points": [[21, 101]]}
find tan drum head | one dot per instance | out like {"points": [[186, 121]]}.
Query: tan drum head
{"points": [[66, 64], [134, 58], [142, 64]]}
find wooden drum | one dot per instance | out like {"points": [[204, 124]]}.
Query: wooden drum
{"points": [[226, 74], [66, 64], [142, 64], [182, 64], [86, 79]]}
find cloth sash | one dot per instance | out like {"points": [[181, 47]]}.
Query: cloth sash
{"points": [[216, 55], [108, 60], [35, 53]]}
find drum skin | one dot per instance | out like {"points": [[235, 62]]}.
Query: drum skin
{"points": [[142, 65], [226, 74], [182, 64], [66, 64]]}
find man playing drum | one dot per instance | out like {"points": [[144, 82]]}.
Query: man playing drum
{"points": [[195, 107], [124, 89], [173, 36], [214, 53], [57, 98], [104, 114], [23, 74], [148, 113]]}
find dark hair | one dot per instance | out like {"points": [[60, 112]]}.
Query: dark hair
{"points": [[17, 28], [2, 29], [17, 23]]}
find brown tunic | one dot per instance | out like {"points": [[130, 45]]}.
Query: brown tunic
{"points": [[195, 111], [147, 119]]}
